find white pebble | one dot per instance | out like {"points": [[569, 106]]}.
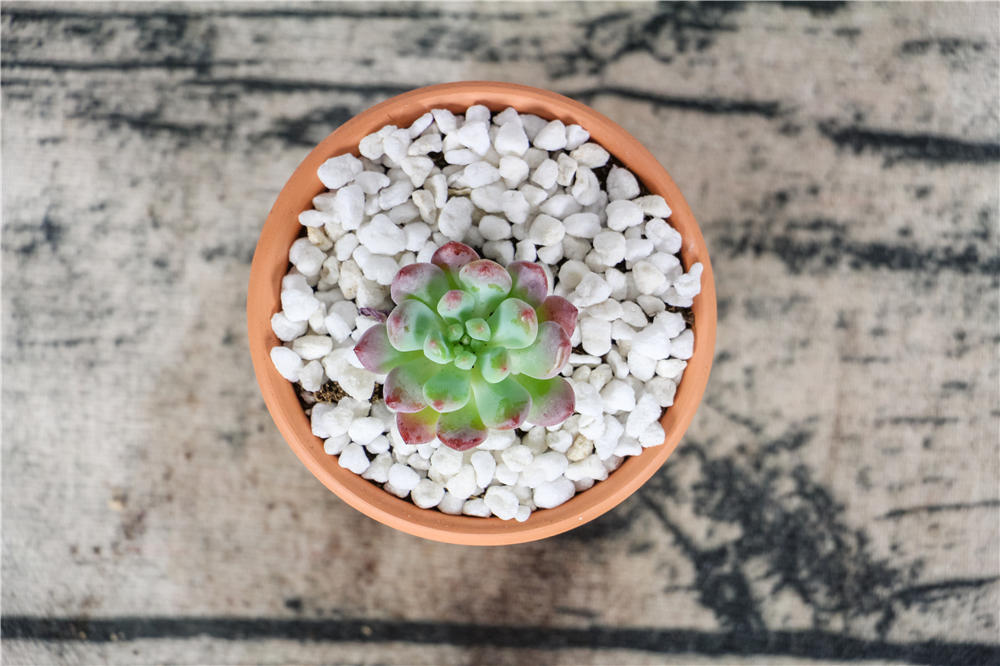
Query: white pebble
{"points": [[546, 230], [350, 207], [560, 206], [551, 137], [314, 218], [517, 457], [306, 257], [474, 135], [610, 247], [623, 214], [338, 171], [298, 305], [451, 505], [545, 174], [607, 443], [379, 445], [501, 501], [462, 484], [524, 250], [485, 466], [671, 368], [480, 173], [596, 335], [446, 461], [286, 329], [586, 188], [354, 458], [506, 475], [583, 225], [396, 144], [618, 396], [334, 446], [616, 361], [590, 155], [638, 248], [588, 400], [652, 435], [286, 362], [427, 494], [418, 168], [513, 170], [591, 290], [682, 346], [445, 120], [590, 467], [550, 254], [511, 139], [403, 477], [460, 156], [662, 389], [653, 205], [456, 218], [381, 236], [477, 507], [366, 429], [576, 136], [553, 493], [640, 366], [560, 440], [311, 347], [567, 169], [397, 193], [622, 184], [649, 279], [371, 182], [646, 412], [494, 228], [665, 237]]}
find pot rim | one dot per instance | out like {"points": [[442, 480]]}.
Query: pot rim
{"points": [[270, 263]]}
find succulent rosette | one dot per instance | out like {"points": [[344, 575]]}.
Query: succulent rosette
{"points": [[471, 346]]}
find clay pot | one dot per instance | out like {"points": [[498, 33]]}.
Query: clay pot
{"points": [[270, 262]]}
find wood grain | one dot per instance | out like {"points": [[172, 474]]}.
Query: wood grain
{"points": [[836, 497]]}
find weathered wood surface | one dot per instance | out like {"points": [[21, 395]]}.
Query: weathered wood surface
{"points": [[836, 497]]}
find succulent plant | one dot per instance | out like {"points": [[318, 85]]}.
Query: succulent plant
{"points": [[471, 346]]}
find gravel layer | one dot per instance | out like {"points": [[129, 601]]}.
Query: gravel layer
{"points": [[514, 187]]}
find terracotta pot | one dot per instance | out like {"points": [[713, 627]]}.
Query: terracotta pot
{"points": [[270, 262]]}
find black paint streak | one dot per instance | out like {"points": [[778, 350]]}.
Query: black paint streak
{"points": [[811, 644], [900, 147], [312, 11], [265, 85], [149, 123], [938, 508], [713, 105], [169, 64], [817, 8], [308, 129], [945, 588], [802, 255], [51, 236], [788, 525], [946, 46]]}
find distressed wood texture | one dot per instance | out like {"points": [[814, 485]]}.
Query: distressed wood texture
{"points": [[835, 499]]}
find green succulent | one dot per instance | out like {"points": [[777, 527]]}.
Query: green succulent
{"points": [[471, 346]]}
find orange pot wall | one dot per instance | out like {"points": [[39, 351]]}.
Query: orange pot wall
{"points": [[270, 263]]}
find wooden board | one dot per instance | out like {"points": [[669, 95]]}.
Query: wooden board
{"points": [[835, 499]]}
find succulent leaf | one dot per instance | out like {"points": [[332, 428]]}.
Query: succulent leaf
{"points": [[558, 309], [502, 405], [417, 427], [425, 282], [514, 324], [375, 351], [403, 390], [456, 304], [478, 329], [494, 364], [547, 354], [529, 282], [452, 256], [552, 400], [487, 281], [409, 324], [462, 429], [448, 389]]}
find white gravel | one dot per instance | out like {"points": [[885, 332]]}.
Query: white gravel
{"points": [[517, 187]]}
